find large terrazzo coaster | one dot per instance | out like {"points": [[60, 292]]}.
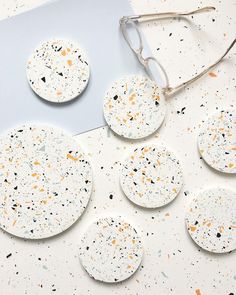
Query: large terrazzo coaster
{"points": [[217, 141], [134, 107], [151, 176], [46, 181], [58, 70], [111, 250], [211, 220]]}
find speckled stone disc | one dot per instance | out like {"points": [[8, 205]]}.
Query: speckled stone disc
{"points": [[134, 107], [111, 250], [45, 181], [217, 141], [151, 176], [211, 220], [58, 70]]}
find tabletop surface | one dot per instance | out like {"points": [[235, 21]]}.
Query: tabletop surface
{"points": [[173, 263]]}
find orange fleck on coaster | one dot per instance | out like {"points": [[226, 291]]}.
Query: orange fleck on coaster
{"points": [[213, 75]]}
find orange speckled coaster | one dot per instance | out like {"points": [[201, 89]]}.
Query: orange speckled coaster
{"points": [[111, 250], [58, 70], [134, 107], [217, 141], [151, 176], [211, 219], [46, 181]]}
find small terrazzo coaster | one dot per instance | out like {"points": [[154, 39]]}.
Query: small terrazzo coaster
{"points": [[151, 176], [46, 181], [58, 70], [211, 220], [217, 141], [111, 250], [134, 107]]}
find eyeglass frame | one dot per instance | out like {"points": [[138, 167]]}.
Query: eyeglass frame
{"points": [[144, 61]]}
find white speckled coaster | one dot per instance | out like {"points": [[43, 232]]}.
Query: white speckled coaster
{"points": [[111, 250], [151, 176], [211, 220], [217, 141], [58, 70], [134, 107], [46, 181]]}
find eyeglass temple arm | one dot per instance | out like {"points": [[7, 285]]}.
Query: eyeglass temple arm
{"points": [[169, 90], [153, 16]]}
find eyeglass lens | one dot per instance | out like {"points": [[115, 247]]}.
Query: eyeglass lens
{"points": [[132, 36]]}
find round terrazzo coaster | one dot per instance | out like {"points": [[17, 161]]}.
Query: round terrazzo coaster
{"points": [[151, 176], [58, 70], [111, 250], [46, 181], [134, 107], [217, 141], [211, 220]]}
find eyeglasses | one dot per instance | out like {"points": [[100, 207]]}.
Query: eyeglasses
{"points": [[137, 47]]}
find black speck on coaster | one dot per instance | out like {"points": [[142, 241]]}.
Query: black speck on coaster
{"points": [[9, 255]]}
